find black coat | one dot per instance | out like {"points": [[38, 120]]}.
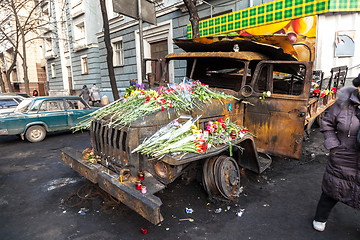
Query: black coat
{"points": [[340, 127]]}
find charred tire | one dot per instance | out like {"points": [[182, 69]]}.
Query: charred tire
{"points": [[35, 133], [221, 176]]}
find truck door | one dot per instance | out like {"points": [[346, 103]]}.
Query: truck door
{"points": [[281, 92]]}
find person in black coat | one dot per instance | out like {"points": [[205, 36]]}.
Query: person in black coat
{"points": [[341, 129], [85, 93]]}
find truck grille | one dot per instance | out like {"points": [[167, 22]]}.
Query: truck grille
{"points": [[110, 143]]}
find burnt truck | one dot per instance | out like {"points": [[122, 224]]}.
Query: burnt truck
{"points": [[247, 68]]}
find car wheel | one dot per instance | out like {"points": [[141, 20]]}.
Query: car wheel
{"points": [[35, 133]]}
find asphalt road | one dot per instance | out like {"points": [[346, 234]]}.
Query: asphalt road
{"points": [[40, 198]]}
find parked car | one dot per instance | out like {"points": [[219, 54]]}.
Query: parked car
{"points": [[34, 117], [25, 95], [8, 102]]}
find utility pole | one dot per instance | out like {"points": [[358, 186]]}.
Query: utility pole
{"points": [[141, 42]]}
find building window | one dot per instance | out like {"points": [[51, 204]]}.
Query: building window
{"points": [[84, 65], [53, 71], [118, 53]]}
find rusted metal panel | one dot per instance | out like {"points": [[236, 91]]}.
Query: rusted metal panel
{"points": [[147, 205], [114, 144], [278, 47], [232, 55], [74, 159], [121, 150]]}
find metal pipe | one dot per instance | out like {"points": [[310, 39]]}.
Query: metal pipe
{"points": [[141, 42], [211, 8]]}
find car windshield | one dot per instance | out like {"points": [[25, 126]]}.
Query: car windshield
{"points": [[24, 106]]}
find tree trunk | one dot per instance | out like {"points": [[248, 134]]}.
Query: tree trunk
{"points": [[24, 64], [194, 17], [2, 84], [8, 72], [109, 50]]}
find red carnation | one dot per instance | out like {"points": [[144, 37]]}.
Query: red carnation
{"points": [[147, 98], [224, 126], [143, 230], [162, 108], [316, 90], [220, 120]]}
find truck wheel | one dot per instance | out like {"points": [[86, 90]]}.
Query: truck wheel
{"points": [[221, 175], [35, 133]]}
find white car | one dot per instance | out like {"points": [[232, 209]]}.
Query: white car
{"points": [[9, 102]]}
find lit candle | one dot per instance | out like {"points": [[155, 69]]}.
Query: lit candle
{"points": [[143, 189]]}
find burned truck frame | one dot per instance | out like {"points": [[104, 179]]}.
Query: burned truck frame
{"points": [[276, 120]]}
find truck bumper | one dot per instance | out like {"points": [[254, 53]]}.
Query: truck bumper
{"points": [[147, 205]]}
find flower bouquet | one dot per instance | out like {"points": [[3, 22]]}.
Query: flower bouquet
{"points": [[138, 103], [90, 156], [186, 138]]}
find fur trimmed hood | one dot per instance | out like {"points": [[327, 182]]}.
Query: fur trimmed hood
{"points": [[347, 96]]}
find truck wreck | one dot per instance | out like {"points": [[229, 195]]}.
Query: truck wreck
{"points": [[270, 90]]}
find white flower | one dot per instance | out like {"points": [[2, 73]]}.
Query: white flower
{"points": [[268, 93]]}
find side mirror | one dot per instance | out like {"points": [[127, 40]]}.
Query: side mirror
{"points": [[246, 91]]}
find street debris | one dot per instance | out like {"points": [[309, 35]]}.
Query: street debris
{"points": [[218, 210], [228, 208], [187, 219], [83, 211], [167, 229], [189, 210], [240, 212], [143, 230], [266, 205]]}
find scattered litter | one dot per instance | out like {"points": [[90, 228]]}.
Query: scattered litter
{"points": [[64, 211], [240, 212], [83, 211], [208, 204], [313, 156], [228, 208], [187, 219], [189, 210], [143, 230], [218, 210], [282, 179], [327, 154], [241, 189], [167, 229], [266, 205]]}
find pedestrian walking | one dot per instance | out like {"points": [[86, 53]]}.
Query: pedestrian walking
{"points": [[95, 94], [85, 94], [35, 93], [341, 129]]}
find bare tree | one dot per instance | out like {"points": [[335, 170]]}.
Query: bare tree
{"points": [[194, 17], [18, 34], [109, 50]]}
